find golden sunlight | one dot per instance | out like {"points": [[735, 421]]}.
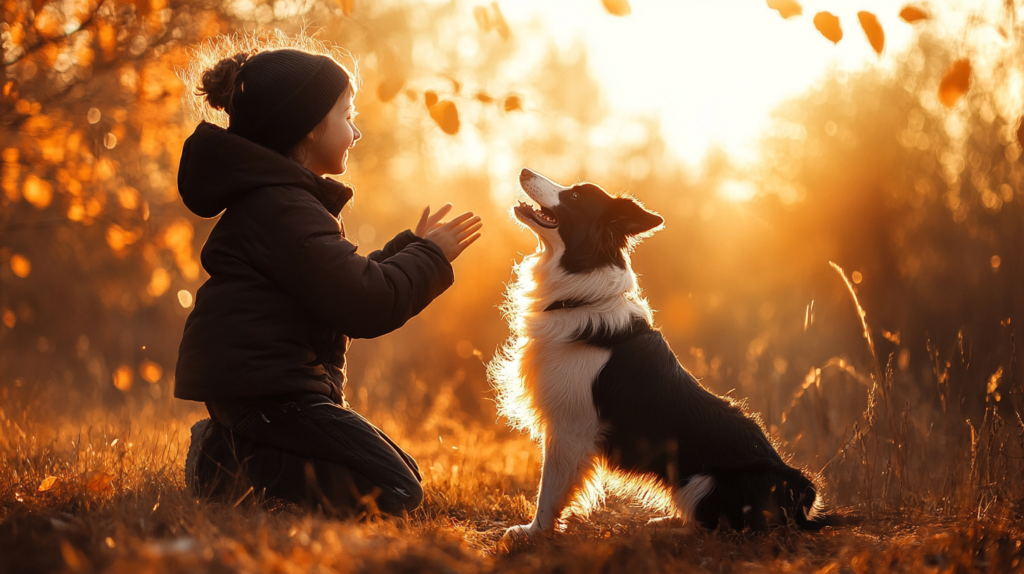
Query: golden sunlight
{"points": [[714, 71]]}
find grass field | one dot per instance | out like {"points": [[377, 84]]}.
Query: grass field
{"points": [[102, 490]]}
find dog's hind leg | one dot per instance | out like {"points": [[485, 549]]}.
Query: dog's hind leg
{"points": [[568, 460]]}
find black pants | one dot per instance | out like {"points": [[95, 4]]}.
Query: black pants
{"points": [[309, 450]]}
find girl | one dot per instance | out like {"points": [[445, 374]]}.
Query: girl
{"points": [[265, 346]]}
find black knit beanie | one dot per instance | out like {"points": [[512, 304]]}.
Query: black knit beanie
{"points": [[284, 94]]}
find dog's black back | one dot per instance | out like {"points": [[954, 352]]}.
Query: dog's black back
{"points": [[661, 421]]}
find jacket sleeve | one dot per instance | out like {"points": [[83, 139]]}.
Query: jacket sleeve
{"points": [[308, 257], [394, 246]]}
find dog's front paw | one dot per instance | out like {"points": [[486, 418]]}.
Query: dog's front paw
{"points": [[521, 532]]}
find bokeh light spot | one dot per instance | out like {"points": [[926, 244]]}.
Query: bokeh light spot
{"points": [[20, 265], [185, 298], [151, 371], [123, 378]]}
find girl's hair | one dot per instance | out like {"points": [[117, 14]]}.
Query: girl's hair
{"points": [[220, 84], [212, 76]]}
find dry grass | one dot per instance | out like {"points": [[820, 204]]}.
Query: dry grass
{"points": [[101, 489], [118, 505]]}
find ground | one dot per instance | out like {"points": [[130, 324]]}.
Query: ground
{"points": [[116, 503]]}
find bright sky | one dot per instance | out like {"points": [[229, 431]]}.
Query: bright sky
{"points": [[713, 69]]}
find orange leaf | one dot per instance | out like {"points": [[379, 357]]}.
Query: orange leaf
{"points": [[828, 24], [483, 18], [911, 14], [484, 98], [955, 82], [1020, 132], [617, 7], [498, 19], [786, 8], [98, 481], [873, 29], [389, 88], [430, 97], [447, 116], [513, 103], [48, 483]]}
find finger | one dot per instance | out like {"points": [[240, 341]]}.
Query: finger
{"points": [[463, 245], [467, 223], [458, 220], [440, 213], [421, 226], [470, 231]]}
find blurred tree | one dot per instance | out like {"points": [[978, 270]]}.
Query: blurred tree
{"points": [[98, 257]]}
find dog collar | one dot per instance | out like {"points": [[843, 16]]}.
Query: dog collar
{"points": [[565, 304]]}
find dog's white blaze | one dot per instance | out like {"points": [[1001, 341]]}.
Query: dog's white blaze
{"points": [[690, 495], [540, 189]]}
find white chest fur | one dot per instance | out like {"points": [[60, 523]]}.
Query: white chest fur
{"points": [[560, 376]]}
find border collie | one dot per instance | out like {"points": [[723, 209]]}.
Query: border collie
{"points": [[593, 381]]}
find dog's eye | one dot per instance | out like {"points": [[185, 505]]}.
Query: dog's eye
{"points": [[575, 195]]}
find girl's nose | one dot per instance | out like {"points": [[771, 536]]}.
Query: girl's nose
{"points": [[356, 134]]}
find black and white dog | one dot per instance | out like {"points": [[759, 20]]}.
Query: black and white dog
{"points": [[597, 385]]}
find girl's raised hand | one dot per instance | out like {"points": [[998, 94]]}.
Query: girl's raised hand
{"points": [[456, 235], [430, 222]]}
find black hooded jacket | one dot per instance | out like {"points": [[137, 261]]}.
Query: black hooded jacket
{"points": [[286, 289]]}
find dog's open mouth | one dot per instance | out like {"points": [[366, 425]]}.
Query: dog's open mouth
{"points": [[542, 217]]}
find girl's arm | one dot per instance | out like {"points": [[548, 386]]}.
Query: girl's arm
{"points": [[306, 255], [394, 246]]}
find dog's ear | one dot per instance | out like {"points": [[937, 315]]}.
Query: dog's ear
{"points": [[630, 218]]}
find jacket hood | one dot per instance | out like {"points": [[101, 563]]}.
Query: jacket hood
{"points": [[218, 166]]}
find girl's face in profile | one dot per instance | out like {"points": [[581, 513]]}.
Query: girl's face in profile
{"points": [[326, 147]]}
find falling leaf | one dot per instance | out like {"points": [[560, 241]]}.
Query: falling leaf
{"points": [[1020, 132], [911, 14], [786, 8], [484, 98], [482, 17], [513, 103], [389, 88], [98, 481], [828, 24], [617, 7], [456, 85], [430, 97], [347, 6], [873, 30], [48, 483], [446, 115], [498, 19], [955, 82]]}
